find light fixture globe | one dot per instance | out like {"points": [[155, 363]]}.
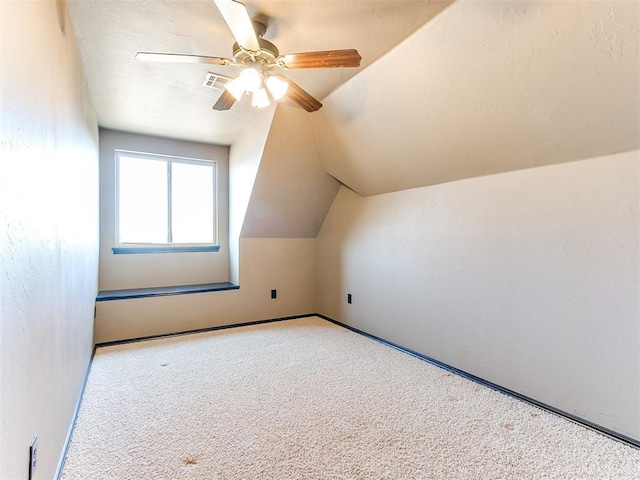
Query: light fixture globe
{"points": [[251, 79], [277, 87], [260, 98], [236, 88]]}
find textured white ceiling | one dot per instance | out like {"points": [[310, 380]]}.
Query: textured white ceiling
{"points": [[169, 100]]}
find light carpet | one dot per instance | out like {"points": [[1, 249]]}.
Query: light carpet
{"points": [[306, 399]]}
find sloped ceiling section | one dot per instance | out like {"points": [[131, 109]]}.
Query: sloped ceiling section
{"points": [[292, 193], [488, 87]]}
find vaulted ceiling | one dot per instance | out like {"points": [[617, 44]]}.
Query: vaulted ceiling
{"points": [[169, 100], [446, 90]]}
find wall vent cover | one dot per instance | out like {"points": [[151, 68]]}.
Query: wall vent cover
{"points": [[215, 81]]}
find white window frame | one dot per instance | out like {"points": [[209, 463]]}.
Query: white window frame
{"points": [[169, 159]]}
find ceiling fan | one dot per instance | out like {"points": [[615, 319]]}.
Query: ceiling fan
{"points": [[258, 58]]}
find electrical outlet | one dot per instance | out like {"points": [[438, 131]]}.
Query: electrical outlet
{"points": [[348, 298], [274, 294], [33, 456]]}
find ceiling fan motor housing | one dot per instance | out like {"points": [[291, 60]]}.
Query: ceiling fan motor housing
{"points": [[268, 52]]}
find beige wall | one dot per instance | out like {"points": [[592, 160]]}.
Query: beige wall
{"points": [[278, 197], [159, 269], [528, 279], [48, 232], [285, 264], [244, 161], [291, 193]]}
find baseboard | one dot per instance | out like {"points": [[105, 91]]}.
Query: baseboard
{"points": [[573, 418], [201, 330], [72, 425]]}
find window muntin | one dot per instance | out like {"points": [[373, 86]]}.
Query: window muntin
{"points": [[163, 200]]}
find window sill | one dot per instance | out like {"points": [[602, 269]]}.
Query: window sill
{"points": [[165, 249], [105, 295]]}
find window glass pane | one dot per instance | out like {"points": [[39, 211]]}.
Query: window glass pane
{"points": [[192, 203], [143, 212]]}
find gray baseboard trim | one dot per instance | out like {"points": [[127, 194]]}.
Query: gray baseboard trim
{"points": [[67, 440], [201, 330]]}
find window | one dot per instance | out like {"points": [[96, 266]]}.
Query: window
{"points": [[165, 201]]}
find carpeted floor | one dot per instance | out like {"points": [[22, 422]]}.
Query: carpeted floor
{"points": [[306, 399]]}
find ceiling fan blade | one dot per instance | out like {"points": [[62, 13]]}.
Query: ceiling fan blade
{"points": [[225, 102], [239, 22], [302, 98], [328, 59], [179, 58]]}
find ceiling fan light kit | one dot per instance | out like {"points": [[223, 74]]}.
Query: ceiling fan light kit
{"points": [[257, 57], [260, 86], [249, 80]]}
